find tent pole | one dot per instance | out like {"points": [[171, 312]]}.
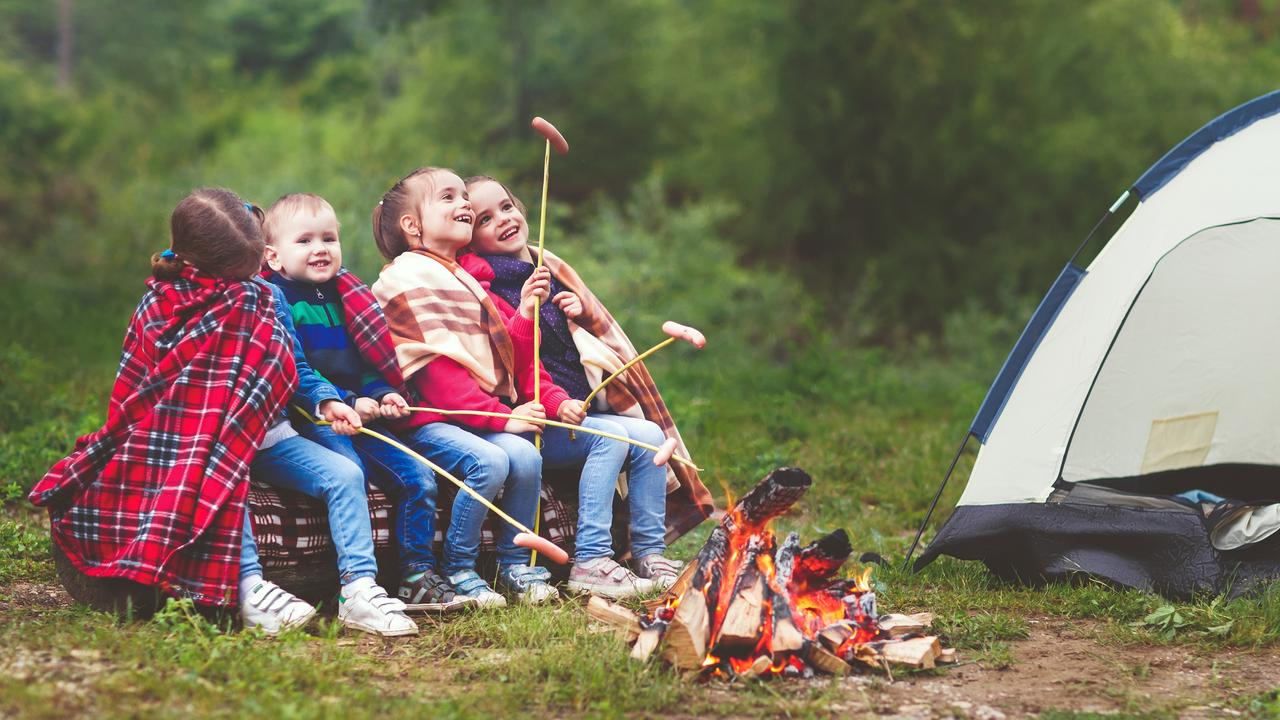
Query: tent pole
{"points": [[1097, 226], [936, 497]]}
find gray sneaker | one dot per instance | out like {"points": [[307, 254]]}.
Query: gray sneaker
{"points": [[658, 570], [603, 576]]}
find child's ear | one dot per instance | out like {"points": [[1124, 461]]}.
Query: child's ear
{"points": [[273, 258], [409, 226]]}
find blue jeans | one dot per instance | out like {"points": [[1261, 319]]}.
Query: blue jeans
{"points": [[602, 459], [410, 485], [301, 465], [487, 462], [249, 564]]}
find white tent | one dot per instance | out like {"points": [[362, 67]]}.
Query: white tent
{"points": [[1153, 372]]}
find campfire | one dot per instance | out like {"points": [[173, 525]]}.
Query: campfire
{"points": [[749, 606]]}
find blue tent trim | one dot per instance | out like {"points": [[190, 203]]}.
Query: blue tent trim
{"points": [[1221, 128], [1022, 351]]}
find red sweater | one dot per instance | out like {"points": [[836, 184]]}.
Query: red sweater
{"points": [[445, 384]]}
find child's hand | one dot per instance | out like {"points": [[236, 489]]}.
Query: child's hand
{"points": [[535, 290], [573, 411], [529, 409], [394, 406], [345, 421], [570, 304], [367, 408]]}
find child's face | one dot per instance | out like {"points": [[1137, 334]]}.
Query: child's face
{"points": [[445, 216], [500, 226], [305, 247]]}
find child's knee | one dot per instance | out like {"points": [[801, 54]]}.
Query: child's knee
{"points": [[647, 432], [343, 477], [524, 458], [488, 467]]}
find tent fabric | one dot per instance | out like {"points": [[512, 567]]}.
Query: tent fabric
{"points": [[1224, 126], [1026, 448], [1154, 369], [1044, 316]]}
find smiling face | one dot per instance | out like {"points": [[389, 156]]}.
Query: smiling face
{"points": [[500, 226], [444, 215], [303, 245]]}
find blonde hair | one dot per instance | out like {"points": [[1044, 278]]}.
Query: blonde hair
{"points": [[395, 203], [289, 205], [215, 231]]}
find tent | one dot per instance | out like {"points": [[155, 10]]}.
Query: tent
{"points": [[1150, 375]]}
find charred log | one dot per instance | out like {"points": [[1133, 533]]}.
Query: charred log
{"points": [[819, 561], [771, 497]]}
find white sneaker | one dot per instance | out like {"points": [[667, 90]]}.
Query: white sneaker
{"points": [[364, 606], [657, 569], [468, 584], [271, 609], [604, 576]]}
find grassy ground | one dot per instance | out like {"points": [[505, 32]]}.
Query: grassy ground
{"points": [[876, 455]]}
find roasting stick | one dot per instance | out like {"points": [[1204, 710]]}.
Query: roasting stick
{"points": [[675, 330], [553, 137], [525, 538], [661, 453]]}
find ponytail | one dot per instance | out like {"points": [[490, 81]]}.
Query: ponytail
{"points": [[395, 203], [166, 265]]}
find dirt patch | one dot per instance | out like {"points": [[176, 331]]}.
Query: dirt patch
{"points": [[1061, 666], [32, 597]]}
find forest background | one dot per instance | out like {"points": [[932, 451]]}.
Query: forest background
{"points": [[859, 202]]}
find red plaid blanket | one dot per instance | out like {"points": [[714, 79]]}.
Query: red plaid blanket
{"points": [[157, 495], [368, 328]]}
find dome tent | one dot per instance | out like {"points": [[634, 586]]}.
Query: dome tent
{"points": [[1154, 372]]}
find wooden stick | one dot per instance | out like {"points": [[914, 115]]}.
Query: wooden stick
{"points": [[549, 549], [686, 637], [557, 423], [626, 622]]}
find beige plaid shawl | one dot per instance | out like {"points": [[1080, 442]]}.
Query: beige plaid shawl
{"points": [[434, 309]]}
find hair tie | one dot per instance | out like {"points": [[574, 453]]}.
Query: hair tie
{"points": [[168, 254], [248, 207]]}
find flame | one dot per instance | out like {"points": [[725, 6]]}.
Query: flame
{"points": [[812, 609]]}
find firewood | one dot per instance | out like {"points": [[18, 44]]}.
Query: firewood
{"points": [[740, 631], [835, 634], [895, 625], [686, 637], [819, 561], [785, 560], [647, 641], [760, 667], [915, 653], [772, 496], [947, 656], [683, 582], [825, 661], [626, 622]]}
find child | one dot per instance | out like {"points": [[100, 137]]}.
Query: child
{"points": [[503, 262], [157, 495], [340, 326], [457, 352]]}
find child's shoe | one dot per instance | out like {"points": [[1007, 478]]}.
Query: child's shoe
{"points": [[271, 609], [468, 584], [604, 576], [428, 592], [364, 606], [659, 570], [528, 583]]}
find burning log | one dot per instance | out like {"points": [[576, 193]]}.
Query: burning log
{"points": [[785, 561], [744, 616], [745, 607], [820, 560], [686, 638], [771, 497]]}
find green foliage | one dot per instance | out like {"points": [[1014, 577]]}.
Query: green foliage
{"points": [[24, 553]]}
